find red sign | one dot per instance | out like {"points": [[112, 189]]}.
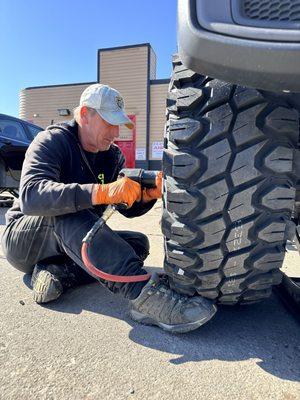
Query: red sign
{"points": [[128, 146]]}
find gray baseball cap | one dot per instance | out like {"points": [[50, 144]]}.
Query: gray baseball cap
{"points": [[108, 103]]}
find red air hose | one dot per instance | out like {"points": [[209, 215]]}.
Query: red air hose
{"points": [[109, 277], [86, 242]]}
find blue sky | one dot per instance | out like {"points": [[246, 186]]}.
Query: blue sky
{"points": [[48, 42]]}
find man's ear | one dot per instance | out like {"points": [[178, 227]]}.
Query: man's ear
{"points": [[84, 115]]}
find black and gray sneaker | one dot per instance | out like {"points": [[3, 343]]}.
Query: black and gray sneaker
{"points": [[45, 285], [51, 278], [159, 305]]}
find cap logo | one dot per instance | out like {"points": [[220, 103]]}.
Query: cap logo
{"points": [[119, 102]]}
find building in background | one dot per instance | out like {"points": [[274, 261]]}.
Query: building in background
{"points": [[132, 71]]}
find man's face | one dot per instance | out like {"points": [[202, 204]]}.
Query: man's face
{"points": [[98, 134]]}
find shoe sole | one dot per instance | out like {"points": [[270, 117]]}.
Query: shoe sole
{"points": [[44, 289], [180, 328]]}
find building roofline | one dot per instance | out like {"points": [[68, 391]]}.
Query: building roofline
{"points": [[129, 46], [98, 69], [63, 84]]}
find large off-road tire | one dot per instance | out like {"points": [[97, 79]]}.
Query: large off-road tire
{"points": [[229, 165]]}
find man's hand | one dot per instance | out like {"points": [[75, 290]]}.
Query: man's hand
{"points": [[123, 190], [155, 193]]}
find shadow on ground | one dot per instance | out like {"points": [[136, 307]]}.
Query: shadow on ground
{"points": [[262, 332]]}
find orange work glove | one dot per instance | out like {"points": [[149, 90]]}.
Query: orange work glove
{"points": [[123, 190], [154, 193]]}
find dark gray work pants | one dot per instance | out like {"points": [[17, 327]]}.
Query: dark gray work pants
{"points": [[31, 239]]}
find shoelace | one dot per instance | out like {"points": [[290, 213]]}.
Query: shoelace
{"points": [[164, 281]]}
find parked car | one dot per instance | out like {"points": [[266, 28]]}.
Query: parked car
{"points": [[15, 137]]}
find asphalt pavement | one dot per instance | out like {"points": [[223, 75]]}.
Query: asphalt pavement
{"points": [[84, 346]]}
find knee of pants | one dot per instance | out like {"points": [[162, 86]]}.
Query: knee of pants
{"points": [[141, 245], [27, 269], [144, 241]]}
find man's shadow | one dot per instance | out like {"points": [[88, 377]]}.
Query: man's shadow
{"points": [[257, 332]]}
